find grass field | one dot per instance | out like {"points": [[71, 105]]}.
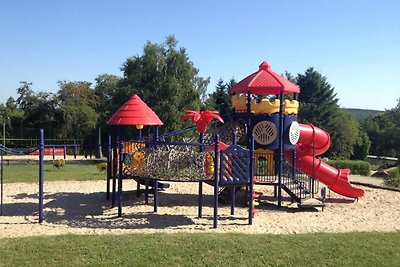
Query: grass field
{"points": [[30, 173], [351, 249]]}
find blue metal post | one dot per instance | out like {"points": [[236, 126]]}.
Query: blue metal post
{"points": [[156, 137], [114, 172], [138, 188], [233, 200], [251, 174], [41, 174], [216, 182], [248, 114], [121, 145], [65, 152], [155, 195], [146, 192], [75, 149], [54, 156], [280, 148], [200, 210], [109, 157], [233, 189]]}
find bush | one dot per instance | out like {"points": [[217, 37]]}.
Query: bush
{"points": [[393, 178], [356, 166]]}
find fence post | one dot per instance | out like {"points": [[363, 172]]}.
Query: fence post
{"points": [[41, 174], [216, 182]]}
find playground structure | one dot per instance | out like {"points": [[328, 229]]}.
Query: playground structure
{"points": [[262, 143], [250, 147]]}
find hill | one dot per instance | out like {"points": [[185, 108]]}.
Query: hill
{"points": [[361, 114]]}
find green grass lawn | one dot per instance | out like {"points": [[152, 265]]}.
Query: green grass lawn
{"points": [[351, 249], [30, 173]]}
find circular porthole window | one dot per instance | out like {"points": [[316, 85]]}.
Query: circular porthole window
{"points": [[264, 132], [294, 133]]}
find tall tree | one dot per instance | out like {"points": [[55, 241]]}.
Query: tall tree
{"points": [[107, 88], [383, 130], [77, 102], [318, 102], [39, 110], [319, 106], [220, 99], [165, 79]]}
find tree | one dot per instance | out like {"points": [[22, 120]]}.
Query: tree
{"points": [[383, 131], [319, 106], [39, 110], [318, 102], [362, 146], [165, 79], [107, 89], [77, 102], [220, 99], [344, 136]]}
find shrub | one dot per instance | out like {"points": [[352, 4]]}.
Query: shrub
{"points": [[393, 178], [356, 166], [58, 163]]}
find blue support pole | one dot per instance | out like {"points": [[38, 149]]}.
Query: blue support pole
{"points": [[200, 208], [233, 200], [233, 189], [155, 195], [75, 149], [156, 137], [41, 174], [138, 188], [280, 148], [216, 182], [146, 192], [114, 172], [121, 145], [109, 157], [248, 121], [251, 174]]}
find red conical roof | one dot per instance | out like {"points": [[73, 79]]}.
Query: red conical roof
{"points": [[265, 82], [134, 112]]}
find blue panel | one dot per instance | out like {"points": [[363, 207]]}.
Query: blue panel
{"points": [[234, 162]]}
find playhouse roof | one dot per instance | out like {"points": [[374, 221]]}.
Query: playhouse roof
{"points": [[265, 82], [134, 112]]}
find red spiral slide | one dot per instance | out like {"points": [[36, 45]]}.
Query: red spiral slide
{"points": [[315, 141]]}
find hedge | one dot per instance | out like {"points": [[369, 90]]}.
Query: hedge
{"points": [[356, 166]]}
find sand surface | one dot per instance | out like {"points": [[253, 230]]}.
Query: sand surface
{"points": [[81, 208]]}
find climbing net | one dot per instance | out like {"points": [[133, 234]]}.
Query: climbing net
{"points": [[170, 163], [226, 131]]}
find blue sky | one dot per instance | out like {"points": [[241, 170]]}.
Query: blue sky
{"points": [[356, 44]]}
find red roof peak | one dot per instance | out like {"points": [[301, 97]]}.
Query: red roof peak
{"points": [[134, 112], [264, 66], [264, 82]]}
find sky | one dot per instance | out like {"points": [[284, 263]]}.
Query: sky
{"points": [[354, 43]]}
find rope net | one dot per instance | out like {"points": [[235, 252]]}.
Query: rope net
{"points": [[170, 163], [183, 162]]}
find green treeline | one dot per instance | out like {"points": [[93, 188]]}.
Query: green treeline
{"points": [[165, 78]]}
